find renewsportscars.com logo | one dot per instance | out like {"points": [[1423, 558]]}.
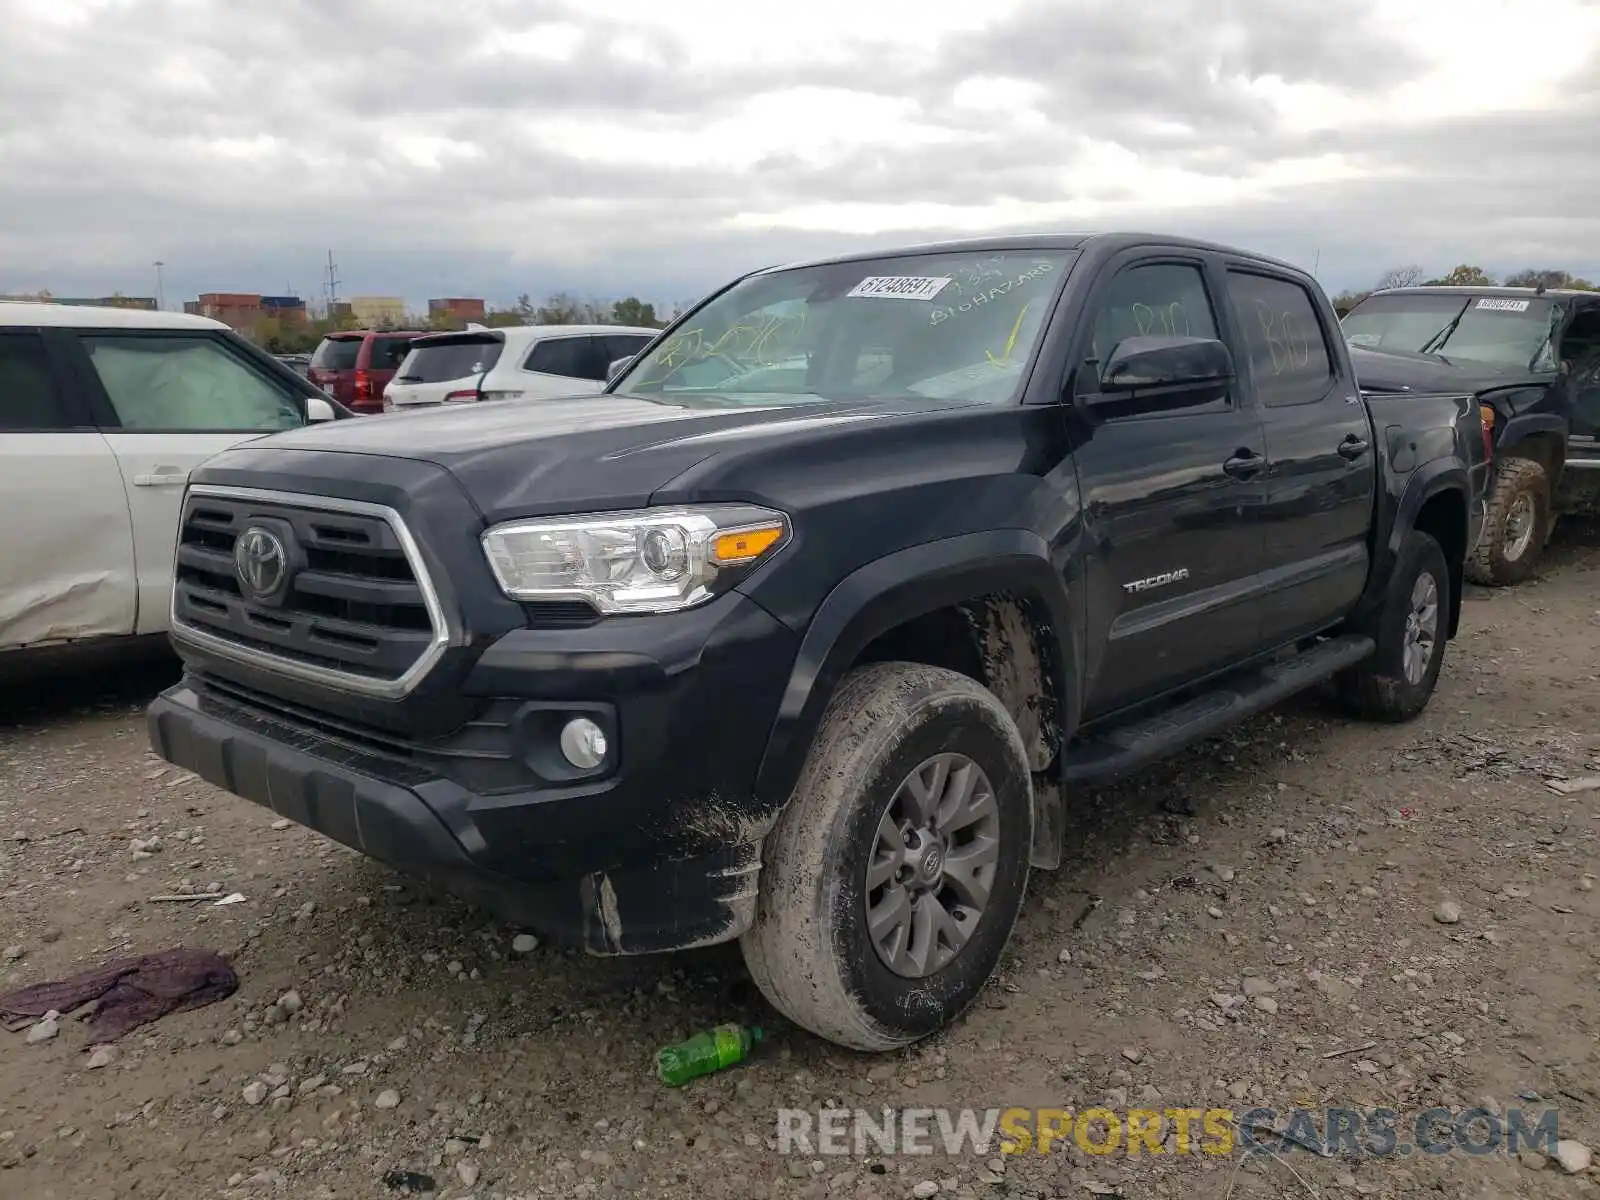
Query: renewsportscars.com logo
{"points": [[1375, 1132]]}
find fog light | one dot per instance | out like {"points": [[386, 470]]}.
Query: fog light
{"points": [[583, 743]]}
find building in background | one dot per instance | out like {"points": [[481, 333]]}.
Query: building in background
{"points": [[239, 311], [378, 312], [456, 309], [115, 300], [291, 310]]}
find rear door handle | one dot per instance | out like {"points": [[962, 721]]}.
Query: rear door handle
{"points": [[1244, 464], [1353, 447], [161, 479]]}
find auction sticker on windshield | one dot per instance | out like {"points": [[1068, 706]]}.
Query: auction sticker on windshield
{"points": [[900, 287], [1504, 305]]}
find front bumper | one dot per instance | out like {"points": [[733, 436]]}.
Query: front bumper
{"points": [[659, 850]]}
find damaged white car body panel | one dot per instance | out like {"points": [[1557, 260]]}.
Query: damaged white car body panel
{"points": [[103, 414]]}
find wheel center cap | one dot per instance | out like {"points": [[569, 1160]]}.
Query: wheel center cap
{"points": [[931, 863]]}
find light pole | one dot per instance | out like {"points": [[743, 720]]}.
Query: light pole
{"points": [[161, 299]]}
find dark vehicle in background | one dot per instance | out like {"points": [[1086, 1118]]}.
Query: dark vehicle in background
{"points": [[1532, 358], [355, 366], [806, 631], [300, 364]]}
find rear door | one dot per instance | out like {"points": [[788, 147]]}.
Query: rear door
{"points": [[1170, 498], [565, 364], [1321, 481], [66, 538], [167, 401]]}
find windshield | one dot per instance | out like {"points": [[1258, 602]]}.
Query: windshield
{"points": [[1500, 330], [959, 326]]}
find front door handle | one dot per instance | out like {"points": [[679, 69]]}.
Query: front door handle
{"points": [[1245, 464], [1353, 447], [161, 479]]}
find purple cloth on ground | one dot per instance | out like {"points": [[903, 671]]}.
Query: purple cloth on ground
{"points": [[132, 991]]}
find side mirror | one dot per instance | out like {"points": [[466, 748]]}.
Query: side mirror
{"points": [[318, 409], [1163, 364], [618, 366]]}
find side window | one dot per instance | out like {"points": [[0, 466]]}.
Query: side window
{"points": [[1150, 301], [1289, 358], [28, 397], [191, 384], [621, 345], [389, 352], [570, 356]]}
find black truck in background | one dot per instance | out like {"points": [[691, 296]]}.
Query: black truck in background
{"points": [[1532, 358], [805, 633]]}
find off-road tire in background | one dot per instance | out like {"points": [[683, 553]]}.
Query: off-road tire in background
{"points": [[810, 950], [1516, 525], [1416, 607]]}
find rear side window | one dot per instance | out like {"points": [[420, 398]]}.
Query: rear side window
{"points": [[28, 398], [187, 384], [1289, 357], [388, 352], [337, 354], [436, 362], [571, 356]]}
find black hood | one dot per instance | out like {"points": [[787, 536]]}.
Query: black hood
{"points": [[583, 453], [1402, 371]]}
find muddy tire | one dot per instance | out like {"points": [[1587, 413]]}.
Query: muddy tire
{"points": [[1516, 525], [1396, 683], [893, 878]]}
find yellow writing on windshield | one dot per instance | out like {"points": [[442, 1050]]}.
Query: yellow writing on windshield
{"points": [[1004, 359]]}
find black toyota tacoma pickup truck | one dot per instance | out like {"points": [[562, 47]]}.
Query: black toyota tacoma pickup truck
{"points": [[1532, 357], [804, 632]]}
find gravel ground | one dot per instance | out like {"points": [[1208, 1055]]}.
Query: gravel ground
{"points": [[1418, 896]]}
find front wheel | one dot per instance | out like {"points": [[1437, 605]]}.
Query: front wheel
{"points": [[893, 878], [1515, 526], [1396, 683]]}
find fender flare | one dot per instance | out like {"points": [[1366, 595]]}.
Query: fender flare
{"points": [[1520, 429], [891, 591], [1429, 480]]}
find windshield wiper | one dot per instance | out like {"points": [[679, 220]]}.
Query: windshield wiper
{"points": [[1437, 341]]}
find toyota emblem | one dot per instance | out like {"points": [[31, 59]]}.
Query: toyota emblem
{"points": [[260, 561]]}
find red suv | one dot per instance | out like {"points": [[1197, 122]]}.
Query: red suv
{"points": [[354, 366]]}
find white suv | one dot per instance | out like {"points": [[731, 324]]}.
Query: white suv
{"points": [[103, 413], [534, 361]]}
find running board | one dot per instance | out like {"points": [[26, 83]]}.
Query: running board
{"points": [[1121, 748]]}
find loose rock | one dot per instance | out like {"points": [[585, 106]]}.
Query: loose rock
{"points": [[1575, 1158], [103, 1056], [1448, 912], [524, 943], [254, 1093], [388, 1098]]}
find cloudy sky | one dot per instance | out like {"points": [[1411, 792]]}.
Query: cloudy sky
{"points": [[657, 147]]}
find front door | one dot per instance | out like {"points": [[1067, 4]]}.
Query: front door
{"points": [[167, 402], [1169, 503]]}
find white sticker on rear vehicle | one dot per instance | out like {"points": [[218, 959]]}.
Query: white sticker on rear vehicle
{"points": [[900, 287], [1503, 305]]}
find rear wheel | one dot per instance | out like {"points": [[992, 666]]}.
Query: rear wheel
{"points": [[1396, 683], [894, 876], [1515, 526]]}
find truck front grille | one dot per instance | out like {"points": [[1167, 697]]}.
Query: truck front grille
{"points": [[324, 589]]}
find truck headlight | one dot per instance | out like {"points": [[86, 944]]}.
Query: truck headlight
{"points": [[652, 561]]}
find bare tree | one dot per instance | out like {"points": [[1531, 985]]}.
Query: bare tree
{"points": [[1401, 277]]}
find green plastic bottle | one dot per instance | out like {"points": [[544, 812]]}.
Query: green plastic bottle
{"points": [[704, 1053]]}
